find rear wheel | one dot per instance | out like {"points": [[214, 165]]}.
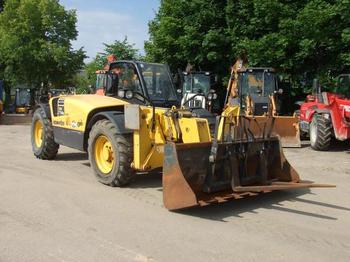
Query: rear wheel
{"points": [[320, 133], [42, 137], [110, 154]]}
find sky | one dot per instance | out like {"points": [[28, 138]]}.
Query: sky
{"points": [[106, 21]]}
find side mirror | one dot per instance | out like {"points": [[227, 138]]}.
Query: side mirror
{"points": [[214, 80]]}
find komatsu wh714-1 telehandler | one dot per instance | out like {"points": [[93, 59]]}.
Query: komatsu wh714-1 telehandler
{"points": [[136, 128]]}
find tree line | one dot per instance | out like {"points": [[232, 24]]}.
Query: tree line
{"points": [[35, 44], [302, 39]]}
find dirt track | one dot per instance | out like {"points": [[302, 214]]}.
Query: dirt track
{"points": [[56, 211]]}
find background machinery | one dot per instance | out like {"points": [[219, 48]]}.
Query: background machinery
{"points": [[24, 100], [136, 128], [256, 91], [196, 87], [326, 115]]}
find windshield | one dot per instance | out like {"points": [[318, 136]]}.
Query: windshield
{"points": [[344, 85], [158, 82], [101, 79], [196, 83], [257, 83], [23, 97]]}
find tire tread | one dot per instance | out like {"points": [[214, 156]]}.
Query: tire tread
{"points": [[124, 144]]}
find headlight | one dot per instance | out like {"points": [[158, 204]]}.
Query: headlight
{"points": [[210, 96], [129, 94], [121, 93]]}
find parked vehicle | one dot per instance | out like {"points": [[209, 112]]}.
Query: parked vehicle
{"points": [[326, 115]]}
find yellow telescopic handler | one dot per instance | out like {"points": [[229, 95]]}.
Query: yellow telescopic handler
{"points": [[256, 91], [137, 127]]}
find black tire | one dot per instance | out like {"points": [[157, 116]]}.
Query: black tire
{"points": [[320, 133], [48, 148], [122, 173]]}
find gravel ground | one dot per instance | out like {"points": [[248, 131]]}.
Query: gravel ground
{"points": [[56, 211]]}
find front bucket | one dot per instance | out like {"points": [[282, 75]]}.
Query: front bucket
{"points": [[241, 169], [286, 127]]}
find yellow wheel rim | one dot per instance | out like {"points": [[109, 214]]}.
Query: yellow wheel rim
{"points": [[104, 154], [38, 133]]}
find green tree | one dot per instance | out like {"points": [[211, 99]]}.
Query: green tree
{"points": [[302, 39], [35, 43], [190, 32], [297, 37], [81, 84], [122, 50], [1, 5]]}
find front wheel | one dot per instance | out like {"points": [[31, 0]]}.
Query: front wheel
{"points": [[110, 154], [42, 137], [320, 133]]}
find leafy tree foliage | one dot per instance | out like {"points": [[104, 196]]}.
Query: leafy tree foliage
{"points": [[303, 39], [35, 43], [1, 5], [190, 32], [122, 50]]}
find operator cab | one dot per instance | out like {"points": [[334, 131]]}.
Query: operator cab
{"points": [[198, 89], [257, 84], [139, 82]]}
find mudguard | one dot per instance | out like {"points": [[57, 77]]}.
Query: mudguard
{"points": [[46, 108], [116, 117]]}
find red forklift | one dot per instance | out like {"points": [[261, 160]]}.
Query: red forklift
{"points": [[326, 115]]}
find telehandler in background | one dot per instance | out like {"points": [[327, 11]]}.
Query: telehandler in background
{"points": [[137, 127], [326, 115], [257, 93], [196, 87]]}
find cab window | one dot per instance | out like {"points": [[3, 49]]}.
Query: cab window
{"points": [[127, 77]]}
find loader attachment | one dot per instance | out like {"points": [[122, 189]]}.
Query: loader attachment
{"points": [[286, 127], [204, 173]]}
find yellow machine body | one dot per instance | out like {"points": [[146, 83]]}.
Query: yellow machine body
{"points": [[73, 116], [73, 111]]}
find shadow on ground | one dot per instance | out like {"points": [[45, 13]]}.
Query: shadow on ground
{"points": [[235, 208], [71, 156], [339, 146], [153, 180], [336, 146]]}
